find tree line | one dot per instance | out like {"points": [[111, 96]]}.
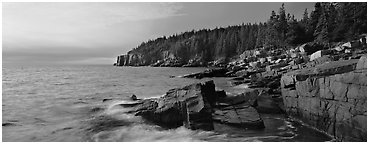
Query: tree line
{"points": [[327, 23]]}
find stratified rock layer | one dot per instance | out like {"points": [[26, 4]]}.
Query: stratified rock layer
{"points": [[197, 106], [331, 97]]}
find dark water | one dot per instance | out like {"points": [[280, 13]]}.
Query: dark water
{"points": [[51, 103]]}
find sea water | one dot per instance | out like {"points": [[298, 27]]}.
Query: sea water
{"points": [[81, 103]]}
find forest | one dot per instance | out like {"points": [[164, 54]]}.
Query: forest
{"points": [[327, 24]]}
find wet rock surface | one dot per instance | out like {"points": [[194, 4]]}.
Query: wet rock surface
{"points": [[244, 116], [270, 104], [197, 106]]}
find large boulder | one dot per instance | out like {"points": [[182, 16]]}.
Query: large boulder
{"points": [[316, 55], [319, 54], [320, 60], [189, 106], [310, 48], [197, 106], [361, 64]]}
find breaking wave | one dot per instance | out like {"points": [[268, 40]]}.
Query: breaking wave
{"points": [[114, 125]]}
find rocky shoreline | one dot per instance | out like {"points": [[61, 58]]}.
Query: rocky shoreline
{"points": [[324, 88]]}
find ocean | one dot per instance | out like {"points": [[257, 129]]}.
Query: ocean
{"points": [[81, 103]]}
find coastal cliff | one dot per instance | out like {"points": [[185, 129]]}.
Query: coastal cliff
{"points": [[219, 46], [130, 60], [331, 97]]}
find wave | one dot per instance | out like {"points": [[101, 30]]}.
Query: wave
{"points": [[113, 124]]}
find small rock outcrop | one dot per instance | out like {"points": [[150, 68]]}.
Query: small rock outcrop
{"points": [[197, 106], [331, 97]]}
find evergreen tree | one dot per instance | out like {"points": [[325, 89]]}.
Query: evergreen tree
{"points": [[314, 19], [321, 30], [282, 26], [271, 39], [295, 34]]}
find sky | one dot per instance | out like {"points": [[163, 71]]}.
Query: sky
{"points": [[96, 33]]}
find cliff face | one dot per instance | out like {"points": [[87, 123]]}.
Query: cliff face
{"points": [[130, 60], [331, 97], [164, 59]]}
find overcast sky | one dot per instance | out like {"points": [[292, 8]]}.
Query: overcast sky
{"points": [[95, 33]]}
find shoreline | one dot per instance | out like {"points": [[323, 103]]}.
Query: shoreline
{"points": [[262, 115], [276, 83]]}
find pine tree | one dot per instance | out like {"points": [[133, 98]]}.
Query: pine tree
{"points": [[271, 39], [314, 19], [296, 33], [282, 26], [321, 30], [261, 35]]}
